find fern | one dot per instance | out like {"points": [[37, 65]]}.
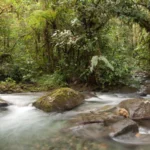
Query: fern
{"points": [[96, 59]]}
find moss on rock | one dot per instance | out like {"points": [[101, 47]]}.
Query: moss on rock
{"points": [[59, 100]]}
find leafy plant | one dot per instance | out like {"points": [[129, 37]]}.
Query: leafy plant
{"points": [[52, 81], [9, 85], [96, 59]]}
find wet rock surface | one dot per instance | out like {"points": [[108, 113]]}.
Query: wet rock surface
{"points": [[145, 83], [137, 108], [93, 125], [123, 127], [3, 103], [147, 86], [111, 118], [107, 118]]}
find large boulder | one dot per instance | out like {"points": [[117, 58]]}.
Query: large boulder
{"points": [[3, 103], [100, 124], [60, 100], [92, 125], [123, 127], [137, 108]]}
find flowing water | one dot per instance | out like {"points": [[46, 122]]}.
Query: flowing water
{"points": [[23, 127]]}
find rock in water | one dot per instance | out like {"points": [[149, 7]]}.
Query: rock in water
{"points": [[59, 100], [3, 103], [137, 108], [123, 127]]}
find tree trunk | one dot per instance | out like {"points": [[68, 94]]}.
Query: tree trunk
{"points": [[48, 50]]}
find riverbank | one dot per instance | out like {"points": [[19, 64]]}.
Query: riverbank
{"points": [[8, 88], [20, 88], [140, 83]]}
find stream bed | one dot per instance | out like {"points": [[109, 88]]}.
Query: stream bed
{"points": [[23, 127]]}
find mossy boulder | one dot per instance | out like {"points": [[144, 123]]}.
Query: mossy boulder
{"points": [[59, 100]]}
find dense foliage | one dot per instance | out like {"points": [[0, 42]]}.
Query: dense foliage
{"points": [[61, 41]]}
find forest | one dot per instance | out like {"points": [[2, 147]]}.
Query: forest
{"points": [[54, 43], [74, 74]]}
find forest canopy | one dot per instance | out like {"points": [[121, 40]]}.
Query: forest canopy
{"points": [[56, 42]]}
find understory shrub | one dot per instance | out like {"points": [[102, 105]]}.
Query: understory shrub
{"points": [[52, 81]]}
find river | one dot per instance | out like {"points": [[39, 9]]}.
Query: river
{"points": [[23, 127]]}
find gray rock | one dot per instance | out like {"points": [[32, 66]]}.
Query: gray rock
{"points": [[137, 108], [145, 87], [147, 90], [123, 127], [107, 118], [142, 94], [3, 103]]}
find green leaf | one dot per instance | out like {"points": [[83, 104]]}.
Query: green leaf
{"points": [[96, 59]]}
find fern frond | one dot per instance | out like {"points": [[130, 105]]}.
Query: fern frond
{"points": [[96, 59]]}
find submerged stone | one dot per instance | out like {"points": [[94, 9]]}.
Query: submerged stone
{"points": [[92, 131], [59, 100]]}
